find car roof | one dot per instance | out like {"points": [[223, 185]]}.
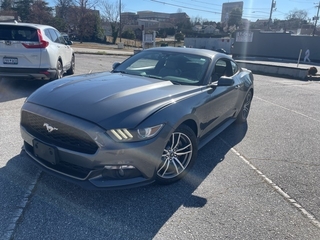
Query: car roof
{"points": [[40, 26], [195, 51]]}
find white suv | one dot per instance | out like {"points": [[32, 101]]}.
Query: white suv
{"points": [[34, 51]]}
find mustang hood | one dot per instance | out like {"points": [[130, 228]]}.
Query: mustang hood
{"points": [[109, 99]]}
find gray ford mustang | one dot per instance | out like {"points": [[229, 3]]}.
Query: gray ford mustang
{"points": [[143, 122]]}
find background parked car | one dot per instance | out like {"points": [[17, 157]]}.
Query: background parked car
{"points": [[34, 51], [67, 38]]}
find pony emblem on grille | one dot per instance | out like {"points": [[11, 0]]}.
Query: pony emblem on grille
{"points": [[49, 128]]}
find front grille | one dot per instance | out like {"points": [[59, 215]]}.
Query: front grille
{"points": [[61, 166], [65, 136]]}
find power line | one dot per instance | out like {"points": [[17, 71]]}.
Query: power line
{"points": [[208, 3], [198, 5], [180, 6]]}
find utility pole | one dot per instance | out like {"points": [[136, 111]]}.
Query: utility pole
{"points": [[120, 29], [273, 5], [316, 18]]}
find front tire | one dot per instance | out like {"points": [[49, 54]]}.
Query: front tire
{"points": [[178, 155]]}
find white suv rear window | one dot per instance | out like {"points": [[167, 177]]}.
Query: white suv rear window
{"points": [[18, 33]]}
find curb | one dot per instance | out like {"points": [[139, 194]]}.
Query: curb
{"points": [[103, 53]]}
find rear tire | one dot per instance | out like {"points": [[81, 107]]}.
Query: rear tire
{"points": [[72, 68], [59, 71], [244, 112]]}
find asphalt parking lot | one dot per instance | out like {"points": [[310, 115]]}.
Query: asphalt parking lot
{"points": [[254, 181]]}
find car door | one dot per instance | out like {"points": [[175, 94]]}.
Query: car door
{"points": [[62, 50], [221, 101], [67, 51]]}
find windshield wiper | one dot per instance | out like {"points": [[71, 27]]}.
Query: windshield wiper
{"points": [[152, 76], [175, 82], [118, 71]]}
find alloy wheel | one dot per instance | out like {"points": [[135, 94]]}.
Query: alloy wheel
{"points": [[176, 156]]}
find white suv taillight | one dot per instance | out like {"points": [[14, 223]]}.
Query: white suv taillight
{"points": [[41, 44]]}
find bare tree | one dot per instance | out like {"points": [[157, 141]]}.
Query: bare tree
{"points": [[196, 20], [111, 13], [63, 8], [297, 14], [83, 15], [296, 18]]}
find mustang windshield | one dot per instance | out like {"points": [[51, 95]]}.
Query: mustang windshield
{"points": [[181, 68]]}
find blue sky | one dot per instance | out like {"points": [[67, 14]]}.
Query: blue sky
{"points": [[211, 9]]}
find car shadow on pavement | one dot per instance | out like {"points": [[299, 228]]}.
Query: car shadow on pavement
{"points": [[57, 209], [12, 89]]}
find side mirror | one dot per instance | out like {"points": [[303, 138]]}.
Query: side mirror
{"points": [[225, 81], [115, 65]]}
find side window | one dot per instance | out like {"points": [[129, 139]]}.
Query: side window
{"points": [[219, 70], [234, 67], [47, 32], [60, 37], [223, 67], [54, 36]]}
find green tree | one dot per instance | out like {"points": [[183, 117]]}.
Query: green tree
{"points": [[170, 31], [179, 36], [40, 13], [7, 5], [23, 8], [129, 34], [59, 24], [162, 33], [62, 18], [219, 27], [98, 34], [184, 25]]}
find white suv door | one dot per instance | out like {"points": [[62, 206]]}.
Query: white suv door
{"points": [[63, 50]]}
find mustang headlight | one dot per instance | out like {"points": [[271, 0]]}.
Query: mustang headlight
{"points": [[134, 135]]}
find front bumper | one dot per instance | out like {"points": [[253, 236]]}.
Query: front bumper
{"points": [[96, 179], [113, 165]]}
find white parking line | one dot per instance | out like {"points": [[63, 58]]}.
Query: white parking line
{"points": [[288, 109], [21, 208], [287, 197]]}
